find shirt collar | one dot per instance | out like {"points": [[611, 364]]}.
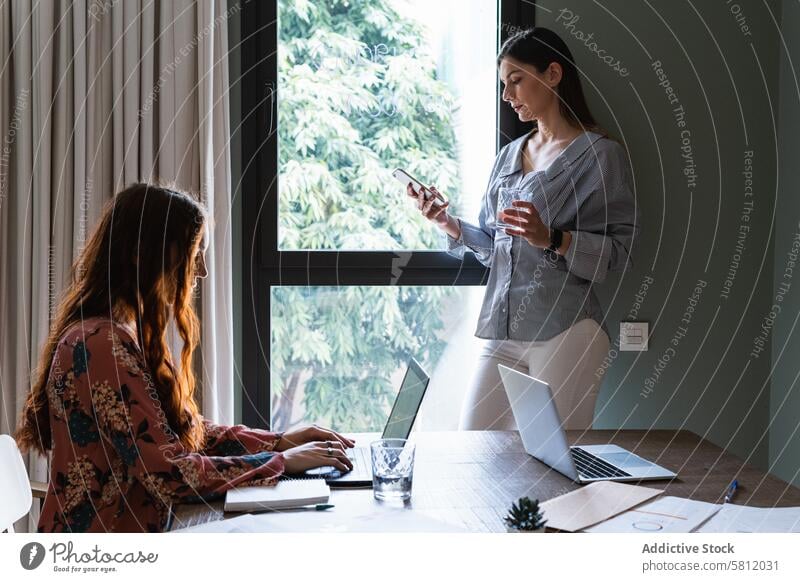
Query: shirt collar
{"points": [[566, 158]]}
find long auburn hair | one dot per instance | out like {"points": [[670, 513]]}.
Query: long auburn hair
{"points": [[539, 46], [137, 266]]}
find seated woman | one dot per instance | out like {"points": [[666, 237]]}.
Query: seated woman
{"points": [[108, 399]]}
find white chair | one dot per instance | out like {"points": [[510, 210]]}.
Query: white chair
{"points": [[15, 488]]}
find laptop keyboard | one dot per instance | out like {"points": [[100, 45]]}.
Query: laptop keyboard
{"points": [[362, 463], [592, 467]]}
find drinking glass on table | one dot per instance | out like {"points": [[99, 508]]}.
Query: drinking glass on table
{"points": [[392, 469]]}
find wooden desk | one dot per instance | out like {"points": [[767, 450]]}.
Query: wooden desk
{"points": [[471, 478]]}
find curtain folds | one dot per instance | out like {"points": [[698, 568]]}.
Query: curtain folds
{"points": [[95, 95]]}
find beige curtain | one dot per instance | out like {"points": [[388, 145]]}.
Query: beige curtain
{"points": [[94, 95]]}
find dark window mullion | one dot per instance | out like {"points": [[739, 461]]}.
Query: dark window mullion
{"points": [[374, 268], [370, 260], [514, 15], [259, 28], [374, 277]]}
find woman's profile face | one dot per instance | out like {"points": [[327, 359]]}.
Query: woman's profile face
{"points": [[198, 259], [200, 270], [528, 91]]}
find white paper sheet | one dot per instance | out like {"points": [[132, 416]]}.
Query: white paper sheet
{"points": [[239, 524], [389, 521], [742, 518], [663, 515], [394, 521]]}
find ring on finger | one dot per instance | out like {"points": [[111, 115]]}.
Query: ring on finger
{"points": [[330, 452]]}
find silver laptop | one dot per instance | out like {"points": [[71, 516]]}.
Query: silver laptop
{"points": [[398, 426], [543, 436]]}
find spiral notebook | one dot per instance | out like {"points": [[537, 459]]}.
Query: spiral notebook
{"points": [[284, 495]]}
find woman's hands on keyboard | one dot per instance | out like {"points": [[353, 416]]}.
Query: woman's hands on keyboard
{"points": [[315, 454], [308, 434]]}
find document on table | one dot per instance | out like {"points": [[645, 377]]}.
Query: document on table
{"points": [[239, 524], [662, 515], [734, 518], [679, 515], [388, 521], [593, 504]]}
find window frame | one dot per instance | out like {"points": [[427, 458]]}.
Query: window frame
{"points": [[264, 265]]}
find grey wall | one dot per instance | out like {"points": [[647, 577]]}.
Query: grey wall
{"points": [[784, 443], [701, 222]]}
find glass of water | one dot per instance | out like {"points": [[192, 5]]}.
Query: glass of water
{"points": [[505, 199], [392, 469]]}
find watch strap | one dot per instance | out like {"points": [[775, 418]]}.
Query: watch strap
{"points": [[556, 238]]}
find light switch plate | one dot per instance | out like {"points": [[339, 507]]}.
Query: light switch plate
{"points": [[633, 336]]}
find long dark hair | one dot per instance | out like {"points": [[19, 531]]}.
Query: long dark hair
{"points": [[541, 46], [128, 271]]}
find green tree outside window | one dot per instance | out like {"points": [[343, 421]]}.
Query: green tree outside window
{"points": [[359, 96]]}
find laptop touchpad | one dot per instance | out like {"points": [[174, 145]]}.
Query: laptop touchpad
{"points": [[623, 460]]}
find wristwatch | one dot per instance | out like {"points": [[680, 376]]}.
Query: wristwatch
{"points": [[556, 237]]}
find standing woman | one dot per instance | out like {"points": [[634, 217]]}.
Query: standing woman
{"points": [[572, 220], [111, 404]]}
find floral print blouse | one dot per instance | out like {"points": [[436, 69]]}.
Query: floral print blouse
{"points": [[116, 464]]}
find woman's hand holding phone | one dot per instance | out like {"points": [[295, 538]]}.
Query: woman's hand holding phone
{"points": [[426, 203]]}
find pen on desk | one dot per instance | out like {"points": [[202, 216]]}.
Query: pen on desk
{"points": [[731, 491], [318, 507]]}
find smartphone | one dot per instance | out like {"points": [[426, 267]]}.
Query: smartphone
{"points": [[405, 179]]}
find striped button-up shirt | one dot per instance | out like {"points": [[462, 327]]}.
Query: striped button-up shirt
{"points": [[532, 293]]}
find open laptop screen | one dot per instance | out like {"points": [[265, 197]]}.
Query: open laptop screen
{"points": [[407, 403]]}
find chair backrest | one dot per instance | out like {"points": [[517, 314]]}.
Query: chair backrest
{"points": [[15, 487]]}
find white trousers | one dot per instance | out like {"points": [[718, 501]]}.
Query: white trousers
{"points": [[568, 362]]}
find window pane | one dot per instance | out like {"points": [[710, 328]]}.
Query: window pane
{"points": [[339, 353], [367, 86]]}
